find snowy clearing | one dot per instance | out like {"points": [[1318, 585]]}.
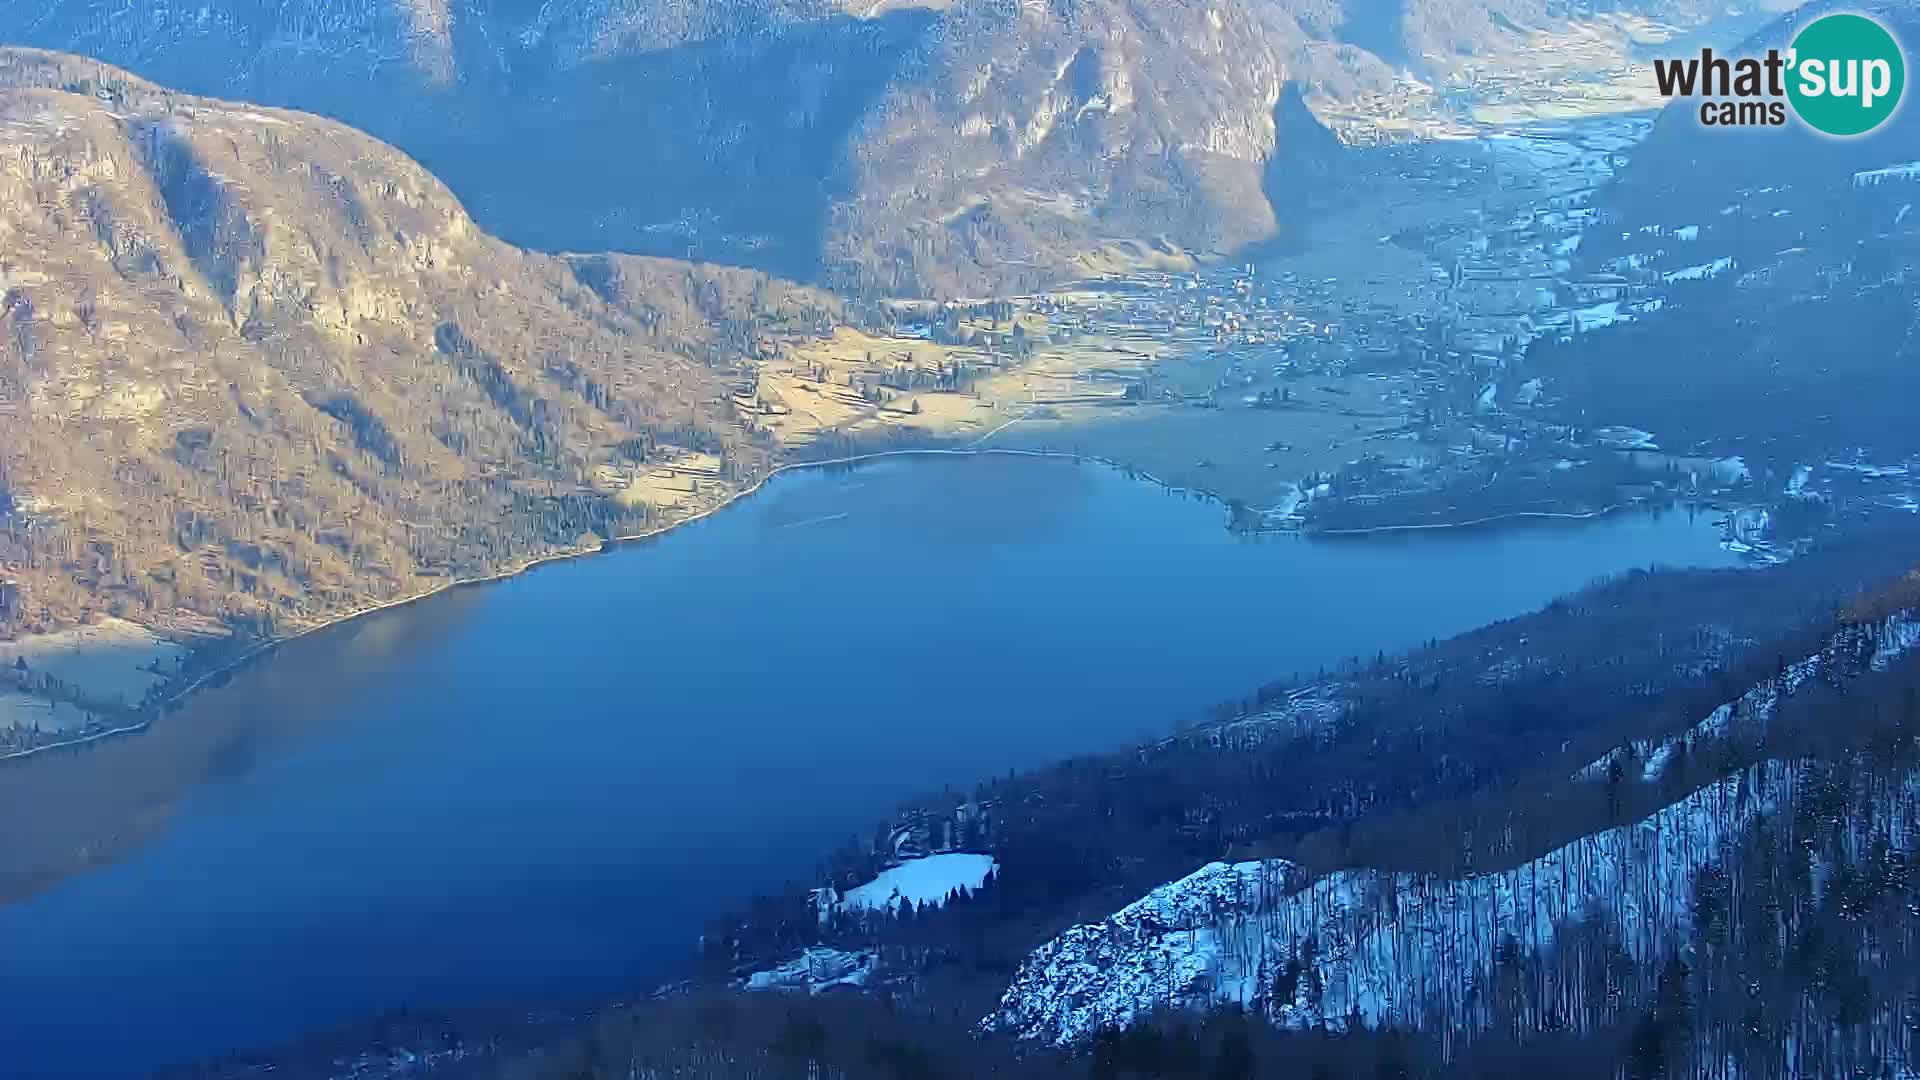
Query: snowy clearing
{"points": [[923, 881], [1872, 177]]}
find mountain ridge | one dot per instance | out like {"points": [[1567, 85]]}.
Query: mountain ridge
{"points": [[248, 353], [943, 149]]}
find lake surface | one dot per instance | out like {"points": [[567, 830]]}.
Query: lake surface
{"points": [[545, 787]]}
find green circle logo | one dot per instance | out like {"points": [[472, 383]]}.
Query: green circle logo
{"points": [[1847, 74]]}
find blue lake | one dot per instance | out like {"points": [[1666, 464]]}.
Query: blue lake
{"points": [[542, 788]]}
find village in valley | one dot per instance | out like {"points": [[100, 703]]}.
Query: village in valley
{"points": [[1379, 369], [1386, 358]]}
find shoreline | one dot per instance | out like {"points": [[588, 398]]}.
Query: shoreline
{"points": [[175, 697], [1708, 504], [158, 708], [1490, 519]]}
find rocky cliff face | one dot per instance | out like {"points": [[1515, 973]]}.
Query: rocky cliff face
{"points": [[941, 148], [1028, 134], [257, 367], [895, 147]]}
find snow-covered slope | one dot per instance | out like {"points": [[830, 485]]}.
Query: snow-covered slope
{"points": [[1386, 948], [927, 881], [924, 881], [1850, 652], [1304, 712], [1405, 949]]}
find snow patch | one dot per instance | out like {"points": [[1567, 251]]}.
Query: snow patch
{"points": [[923, 881], [1618, 437], [1875, 177], [1599, 315], [1899, 635], [1305, 711], [1870, 471], [1701, 272]]}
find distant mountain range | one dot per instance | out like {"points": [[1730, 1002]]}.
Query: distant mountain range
{"points": [[940, 148]]}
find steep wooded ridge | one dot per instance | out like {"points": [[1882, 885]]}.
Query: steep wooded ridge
{"points": [[939, 148], [1730, 895], [257, 369], [1686, 167], [1791, 260], [1727, 891]]}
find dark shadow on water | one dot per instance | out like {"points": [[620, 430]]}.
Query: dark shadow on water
{"points": [[542, 787], [115, 794]]}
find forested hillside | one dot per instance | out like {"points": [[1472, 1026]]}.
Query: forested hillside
{"points": [[257, 369], [1729, 895], [1788, 261], [1376, 764], [260, 370], [1554, 822]]}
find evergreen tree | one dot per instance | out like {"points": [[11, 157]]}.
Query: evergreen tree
{"points": [[1234, 1060]]}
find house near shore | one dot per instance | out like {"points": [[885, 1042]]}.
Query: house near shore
{"points": [[1600, 288], [912, 840]]}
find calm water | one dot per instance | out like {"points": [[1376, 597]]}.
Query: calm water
{"points": [[543, 787]]}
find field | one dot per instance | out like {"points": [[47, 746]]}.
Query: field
{"points": [[116, 661]]}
